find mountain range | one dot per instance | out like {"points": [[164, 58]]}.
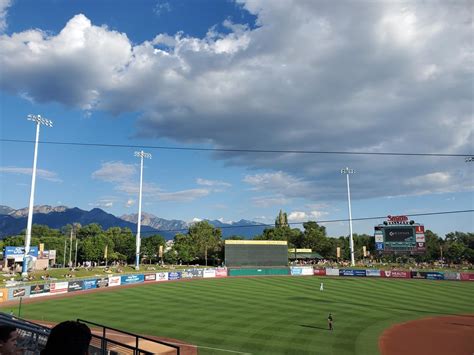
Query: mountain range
{"points": [[13, 222]]}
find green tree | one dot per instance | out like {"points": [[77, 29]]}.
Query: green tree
{"points": [[207, 239], [281, 220], [151, 245], [184, 248]]}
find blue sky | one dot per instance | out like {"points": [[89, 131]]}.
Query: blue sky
{"points": [[267, 75]]}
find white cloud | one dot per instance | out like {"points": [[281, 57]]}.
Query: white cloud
{"points": [[300, 216], [287, 83], [40, 173], [269, 201], [114, 172], [212, 183], [4, 5], [130, 202], [161, 7], [104, 203], [183, 196]]}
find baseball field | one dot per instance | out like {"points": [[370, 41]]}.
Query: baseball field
{"points": [[265, 315]]}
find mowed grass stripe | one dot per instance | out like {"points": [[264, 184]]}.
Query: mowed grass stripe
{"points": [[269, 315]]}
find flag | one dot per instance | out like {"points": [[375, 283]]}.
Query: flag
{"points": [[160, 252], [105, 251], [338, 252], [364, 249]]}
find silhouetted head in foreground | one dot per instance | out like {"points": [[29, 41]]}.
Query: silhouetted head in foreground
{"points": [[69, 337], [8, 338]]}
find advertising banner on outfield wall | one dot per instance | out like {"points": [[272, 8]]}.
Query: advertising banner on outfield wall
{"points": [[132, 279], [58, 287], [221, 272], [307, 270], [39, 290], [174, 275], [465, 276], [296, 271], [150, 277], [351, 272], [89, 284], [192, 273], [3, 294], [448, 275], [102, 282], [429, 275], [17, 292], [114, 281], [395, 274], [332, 272], [75, 286], [372, 273], [209, 273], [161, 276], [320, 272]]}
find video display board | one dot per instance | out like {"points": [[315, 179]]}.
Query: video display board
{"points": [[256, 253], [401, 234]]}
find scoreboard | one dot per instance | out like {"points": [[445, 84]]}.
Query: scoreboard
{"points": [[398, 235]]}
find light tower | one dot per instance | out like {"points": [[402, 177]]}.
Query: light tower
{"points": [[141, 155], [39, 121], [348, 171]]}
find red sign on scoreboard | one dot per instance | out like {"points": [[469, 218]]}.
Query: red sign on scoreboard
{"points": [[420, 229]]}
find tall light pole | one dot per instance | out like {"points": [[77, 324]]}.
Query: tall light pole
{"points": [[348, 171], [39, 121], [141, 155]]}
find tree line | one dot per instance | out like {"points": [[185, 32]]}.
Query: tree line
{"points": [[203, 244]]}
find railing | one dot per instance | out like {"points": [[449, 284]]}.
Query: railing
{"points": [[108, 345]]}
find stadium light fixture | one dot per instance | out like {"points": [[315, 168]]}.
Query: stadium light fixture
{"points": [[348, 171], [48, 123], [141, 155]]}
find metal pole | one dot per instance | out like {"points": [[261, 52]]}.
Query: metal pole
{"points": [[351, 240], [64, 256], [70, 248], [19, 307], [75, 256], [138, 241], [24, 271]]}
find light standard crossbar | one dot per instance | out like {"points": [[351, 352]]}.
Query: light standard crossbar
{"points": [[48, 123], [348, 171], [140, 155]]}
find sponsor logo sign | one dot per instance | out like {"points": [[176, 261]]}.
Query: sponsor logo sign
{"points": [[19, 292], [372, 273], [192, 273], [296, 271], [396, 274], [420, 238], [420, 229], [102, 282], [174, 275], [349, 272], [149, 277], [379, 246], [306, 270], [58, 287], [221, 272], [75, 286], [427, 275], [161, 276], [452, 275], [332, 272], [378, 238], [17, 253], [39, 290], [467, 276], [132, 279], [320, 272], [3, 294], [209, 273], [90, 284], [114, 281]]}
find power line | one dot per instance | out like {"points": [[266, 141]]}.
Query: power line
{"points": [[157, 231], [229, 150], [321, 221]]}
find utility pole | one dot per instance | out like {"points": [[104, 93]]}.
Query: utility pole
{"points": [[75, 256], [348, 171]]}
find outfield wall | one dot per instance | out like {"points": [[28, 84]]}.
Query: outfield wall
{"points": [[78, 285]]}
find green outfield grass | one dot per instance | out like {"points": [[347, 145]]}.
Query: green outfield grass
{"points": [[267, 315]]}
